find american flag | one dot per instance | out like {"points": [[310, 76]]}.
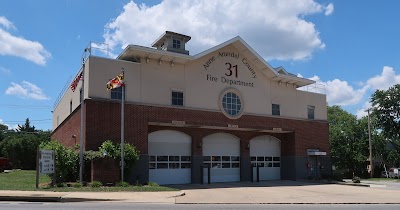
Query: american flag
{"points": [[76, 81]]}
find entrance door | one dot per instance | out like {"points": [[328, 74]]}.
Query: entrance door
{"points": [[221, 151], [170, 157], [265, 151]]}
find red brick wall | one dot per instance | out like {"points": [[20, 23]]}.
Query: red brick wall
{"points": [[105, 170], [68, 128], [103, 120]]}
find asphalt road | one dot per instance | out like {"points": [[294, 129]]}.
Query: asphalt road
{"points": [[126, 206]]}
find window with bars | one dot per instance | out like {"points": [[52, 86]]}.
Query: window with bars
{"points": [[176, 44], [222, 161], [231, 104], [70, 107], [311, 112], [276, 109], [169, 162], [116, 93], [80, 96], [265, 161], [177, 98]]}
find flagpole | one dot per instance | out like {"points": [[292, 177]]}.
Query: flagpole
{"points": [[82, 125], [122, 130]]}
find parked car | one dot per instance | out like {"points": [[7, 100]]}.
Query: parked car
{"points": [[5, 164], [384, 174], [393, 173]]}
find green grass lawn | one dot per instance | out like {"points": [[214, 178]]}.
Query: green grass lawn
{"points": [[21, 180], [26, 180]]}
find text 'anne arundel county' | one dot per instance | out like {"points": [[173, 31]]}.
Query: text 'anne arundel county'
{"points": [[231, 71]]}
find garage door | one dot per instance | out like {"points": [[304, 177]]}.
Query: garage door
{"points": [[221, 152], [170, 157], [265, 151]]}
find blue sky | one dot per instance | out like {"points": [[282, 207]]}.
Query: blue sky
{"points": [[351, 47]]}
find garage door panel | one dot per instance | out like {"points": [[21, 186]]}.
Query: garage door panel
{"points": [[171, 176], [222, 175], [265, 151], [222, 152], [267, 173], [170, 157], [166, 148]]}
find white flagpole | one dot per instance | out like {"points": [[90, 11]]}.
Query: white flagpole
{"points": [[122, 129], [82, 125]]}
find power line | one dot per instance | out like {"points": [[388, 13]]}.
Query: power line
{"points": [[24, 106], [23, 121]]}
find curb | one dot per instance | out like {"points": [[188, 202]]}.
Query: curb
{"points": [[47, 199], [340, 183], [30, 198]]}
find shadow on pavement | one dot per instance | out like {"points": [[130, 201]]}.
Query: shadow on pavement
{"points": [[278, 183]]}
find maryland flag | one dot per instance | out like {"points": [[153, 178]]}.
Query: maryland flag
{"points": [[116, 82], [76, 81]]}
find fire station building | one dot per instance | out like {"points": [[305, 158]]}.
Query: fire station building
{"points": [[225, 108]]}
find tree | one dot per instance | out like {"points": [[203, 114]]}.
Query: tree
{"points": [[26, 127], [348, 138], [3, 128], [386, 108]]}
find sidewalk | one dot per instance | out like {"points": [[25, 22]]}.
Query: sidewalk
{"points": [[130, 197], [267, 192]]}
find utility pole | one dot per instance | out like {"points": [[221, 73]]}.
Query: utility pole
{"points": [[370, 146]]}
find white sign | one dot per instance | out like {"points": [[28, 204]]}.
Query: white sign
{"points": [[318, 153], [176, 122], [46, 162]]}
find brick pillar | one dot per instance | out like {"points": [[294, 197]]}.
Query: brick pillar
{"points": [[106, 170]]}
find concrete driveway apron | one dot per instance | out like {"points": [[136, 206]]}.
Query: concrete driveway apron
{"points": [[285, 192]]}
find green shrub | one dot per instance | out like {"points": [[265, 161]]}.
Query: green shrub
{"points": [[67, 161], [131, 154], [61, 184], [153, 184], [77, 185], [356, 179], [108, 148], [122, 184], [96, 184]]}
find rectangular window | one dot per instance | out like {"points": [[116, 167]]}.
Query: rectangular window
{"points": [[310, 112], [276, 109], [80, 96], [177, 98], [70, 107], [176, 44], [117, 93]]}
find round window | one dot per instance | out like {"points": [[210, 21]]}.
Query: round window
{"points": [[231, 103]]}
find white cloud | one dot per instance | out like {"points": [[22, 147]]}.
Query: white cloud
{"points": [[10, 127], [329, 9], [276, 29], [339, 92], [362, 112], [5, 70], [20, 47], [6, 23], [387, 79], [26, 90]]}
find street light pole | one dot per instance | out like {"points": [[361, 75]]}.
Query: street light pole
{"points": [[370, 146]]}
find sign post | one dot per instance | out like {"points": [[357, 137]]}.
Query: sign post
{"points": [[45, 164]]}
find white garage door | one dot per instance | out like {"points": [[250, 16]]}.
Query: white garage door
{"points": [[265, 151], [170, 157], [221, 152]]}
